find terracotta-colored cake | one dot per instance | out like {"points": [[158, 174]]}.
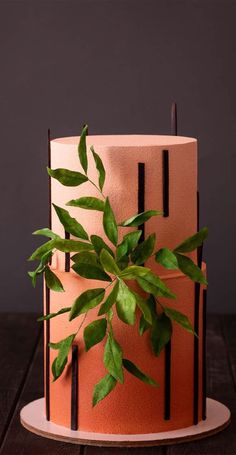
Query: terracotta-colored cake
{"points": [[133, 407]]}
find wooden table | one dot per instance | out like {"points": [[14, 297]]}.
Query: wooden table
{"points": [[21, 381]]}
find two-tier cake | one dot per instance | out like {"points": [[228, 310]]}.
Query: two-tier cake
{"points": [[142, 173]]}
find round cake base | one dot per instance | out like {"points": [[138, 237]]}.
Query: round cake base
{"points": [[33, 419]]}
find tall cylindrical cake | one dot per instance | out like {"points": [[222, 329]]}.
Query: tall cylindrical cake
{"points": [[142, 173]]}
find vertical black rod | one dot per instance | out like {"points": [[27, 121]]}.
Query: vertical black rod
{"points": [[199, 250], [167, 381], [47, 354], [74, 388], [174, 131], [165, 179], [67, 255], [197, 288], [196, 326], [47, 306], [49, 184], [141, 195], [199, 256], [204, 306], [196, 354], [165, 192]]}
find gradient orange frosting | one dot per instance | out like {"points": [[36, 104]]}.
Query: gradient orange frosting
{"points": [[133, 407]]}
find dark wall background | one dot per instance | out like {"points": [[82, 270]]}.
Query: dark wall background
{"points": [[116, 65]]}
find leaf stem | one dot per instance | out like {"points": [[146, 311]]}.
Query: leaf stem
{"points": [[94, 184], [82, 322], [112, 282]]}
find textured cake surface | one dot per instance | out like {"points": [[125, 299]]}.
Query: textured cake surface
{"points": [[134, 407], [121, 155]]}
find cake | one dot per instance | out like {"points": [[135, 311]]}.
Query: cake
{"points": [[143, 172]]}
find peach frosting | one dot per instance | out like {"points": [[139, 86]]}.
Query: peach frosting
{"points": [[133, 407], [121, 164]]}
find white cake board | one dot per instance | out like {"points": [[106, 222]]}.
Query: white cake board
{"points": [[33, 419]]}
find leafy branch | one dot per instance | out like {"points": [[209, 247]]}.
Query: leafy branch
{"points": [[116, 264]]}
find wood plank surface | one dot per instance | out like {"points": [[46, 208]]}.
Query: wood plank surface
{"points": [[221, 367], [229, 332], [19, 334], [18, 440]]}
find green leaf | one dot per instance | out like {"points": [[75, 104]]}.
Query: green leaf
{"points": [[63, 354], [40, 269], [109, 223], [89, 271], [133, 271], [193, 242], [106, 306], [144, 250], [187, 266], [62, 344], [113, 358], [143, 306], [128, 243], [132, 238], [110, 315], [123, 262], [70, 224], [87, 300], [53, 315], [125, 304], [166, 258], [108, 262], [94, 333], [53, 281], [67, 246], [54, 372], [60, 362], [46, 233], [42, 250], [180, 318], [140, 218], [143, 325], [135, 371], [33, 276], [89, 203], [100, 168], [57, 369], [82, 149], [99, 244], [154, 285], [67, 177], [103, 388], [151, 302], [160, 333], [148, 286], [85, 257], [121, 249]]}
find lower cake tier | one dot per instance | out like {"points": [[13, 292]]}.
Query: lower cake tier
{"points": [[133, 407]]}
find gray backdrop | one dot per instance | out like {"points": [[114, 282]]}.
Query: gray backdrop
{"points": [[116, 65]]}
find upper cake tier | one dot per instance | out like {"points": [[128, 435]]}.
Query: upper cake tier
{"points": [[143, 172]]}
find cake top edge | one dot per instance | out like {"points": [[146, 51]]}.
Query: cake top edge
{"points": [[127, 140]]}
